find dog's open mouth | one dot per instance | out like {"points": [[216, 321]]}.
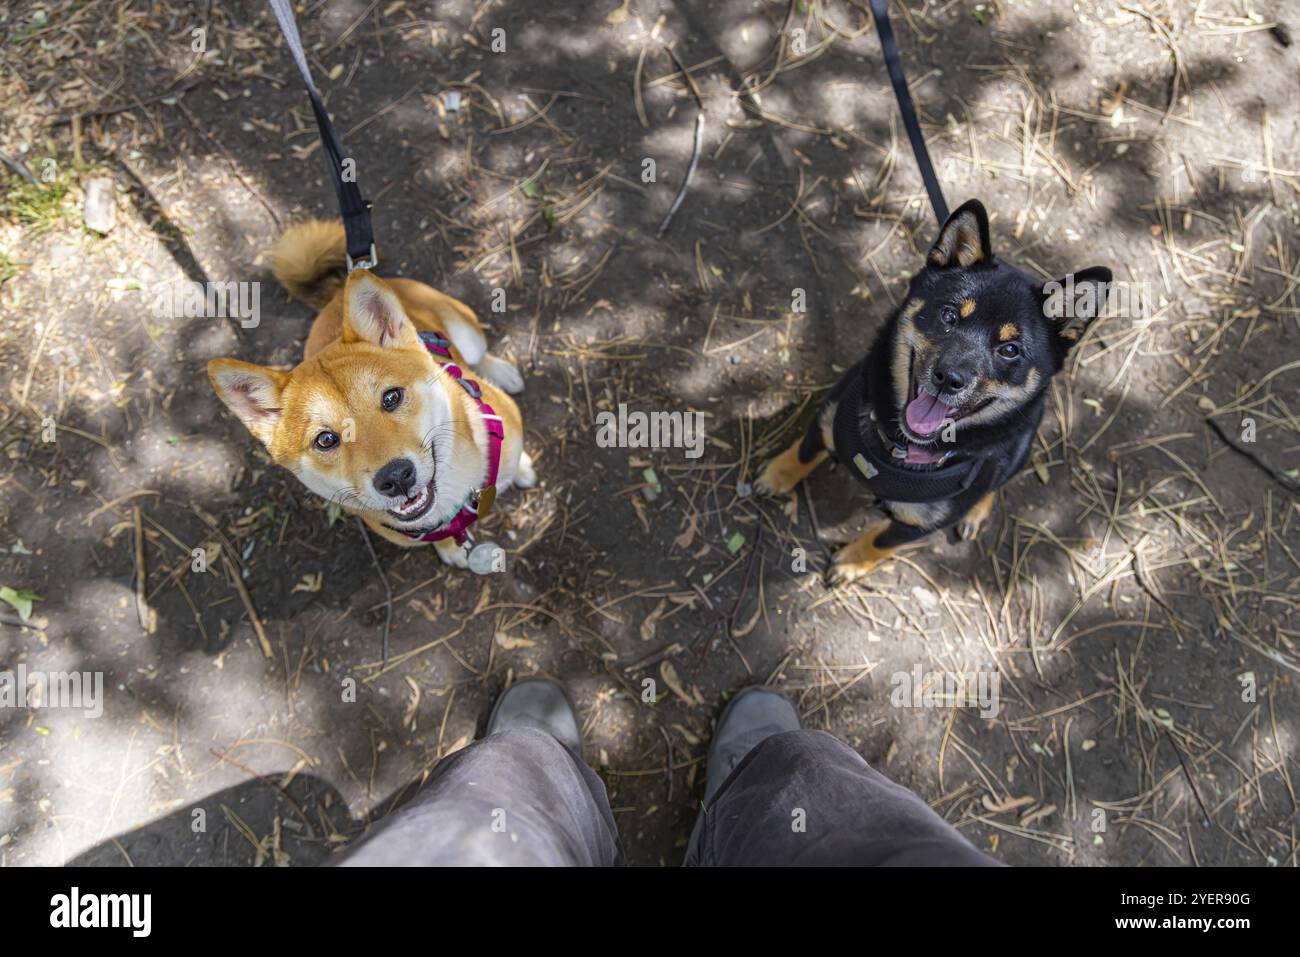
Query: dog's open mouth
{"points": [[926, 414], [415, 506]]}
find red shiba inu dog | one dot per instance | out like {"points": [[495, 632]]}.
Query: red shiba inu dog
{"points": [[378, 417]]}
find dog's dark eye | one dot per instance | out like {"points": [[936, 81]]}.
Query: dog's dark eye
{"points": [[392, 399], [948, 315], [1009, 350], [326, 441]]}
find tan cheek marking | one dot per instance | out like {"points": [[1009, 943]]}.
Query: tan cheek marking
{"points": [[902, 357], [1008, 332], [1019, 392], [826, 422], [912, 308], [967, 307]]}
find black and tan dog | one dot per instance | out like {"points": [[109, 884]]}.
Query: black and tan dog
{"points": [[942, 411]]}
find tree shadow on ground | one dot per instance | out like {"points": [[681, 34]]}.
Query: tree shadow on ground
{"points": [[806, 186]]}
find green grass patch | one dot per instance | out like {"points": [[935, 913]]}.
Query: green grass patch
{"points": [[38, 206]]}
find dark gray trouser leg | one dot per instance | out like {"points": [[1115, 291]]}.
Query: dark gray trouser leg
{"points": [[518, 797], [806, 798]]}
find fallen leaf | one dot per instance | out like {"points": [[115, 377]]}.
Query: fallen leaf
{"points": [[309, 583], [648, 625], [1047, 810], [683, 541], [510, 643], [21, 599], [669, 673], [1010, 804], [412, 706], [618, 16]]}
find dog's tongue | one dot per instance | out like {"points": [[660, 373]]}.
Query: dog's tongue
{"points": [[925, 414], [916, 455]]}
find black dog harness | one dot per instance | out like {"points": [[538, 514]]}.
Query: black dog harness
{"points": [[864, 451]]}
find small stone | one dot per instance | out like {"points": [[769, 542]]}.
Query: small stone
{"points": [[927, 599], [99, 209]]}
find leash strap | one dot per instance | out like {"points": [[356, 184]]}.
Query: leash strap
{"points": [[894, 63], [353, 207]]}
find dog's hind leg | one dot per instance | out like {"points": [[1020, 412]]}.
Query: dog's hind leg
{"points": [[525, 477], [861, 557], [501, 373], [793, 465], [440, 312], [432, 310]]}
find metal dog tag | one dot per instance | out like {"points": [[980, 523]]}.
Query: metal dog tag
{"points": [[486, 558]]}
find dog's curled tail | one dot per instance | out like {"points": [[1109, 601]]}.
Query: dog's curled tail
{"points": [[310, 260]]}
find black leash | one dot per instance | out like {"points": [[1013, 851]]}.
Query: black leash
{"points": [[353, 207], [880, 10]]}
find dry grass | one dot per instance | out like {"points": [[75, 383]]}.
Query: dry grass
{"points": [[1081, 609]]}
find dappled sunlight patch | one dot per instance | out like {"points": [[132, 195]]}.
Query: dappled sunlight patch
{"points": [[592, 39], [95, 613], [1124, 586], [190, 464]]}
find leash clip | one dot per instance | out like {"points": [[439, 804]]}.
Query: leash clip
{"points": [[370, 262]]}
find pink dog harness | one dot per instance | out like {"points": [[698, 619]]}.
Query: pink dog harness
{"points": [[480, 501]]}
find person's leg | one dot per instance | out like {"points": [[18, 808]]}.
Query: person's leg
{"points": [[519, 796], [795, 797]]}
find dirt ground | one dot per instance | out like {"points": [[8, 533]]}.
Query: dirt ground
{"points": [[1135, 592]]}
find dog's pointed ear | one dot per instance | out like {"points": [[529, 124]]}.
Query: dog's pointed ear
{"points": [[251, 392], [1072, 303], [964, 239], [373, 313]]}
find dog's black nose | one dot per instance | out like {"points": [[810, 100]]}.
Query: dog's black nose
{"points": [[947, 378], [395, 478]]}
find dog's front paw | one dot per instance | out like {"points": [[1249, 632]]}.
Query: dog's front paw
{"points": [[783, 473], [860, 558], [773, 481], [525, 477], [451, 553], [848, 567], [971, 523], [786, 471]]}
